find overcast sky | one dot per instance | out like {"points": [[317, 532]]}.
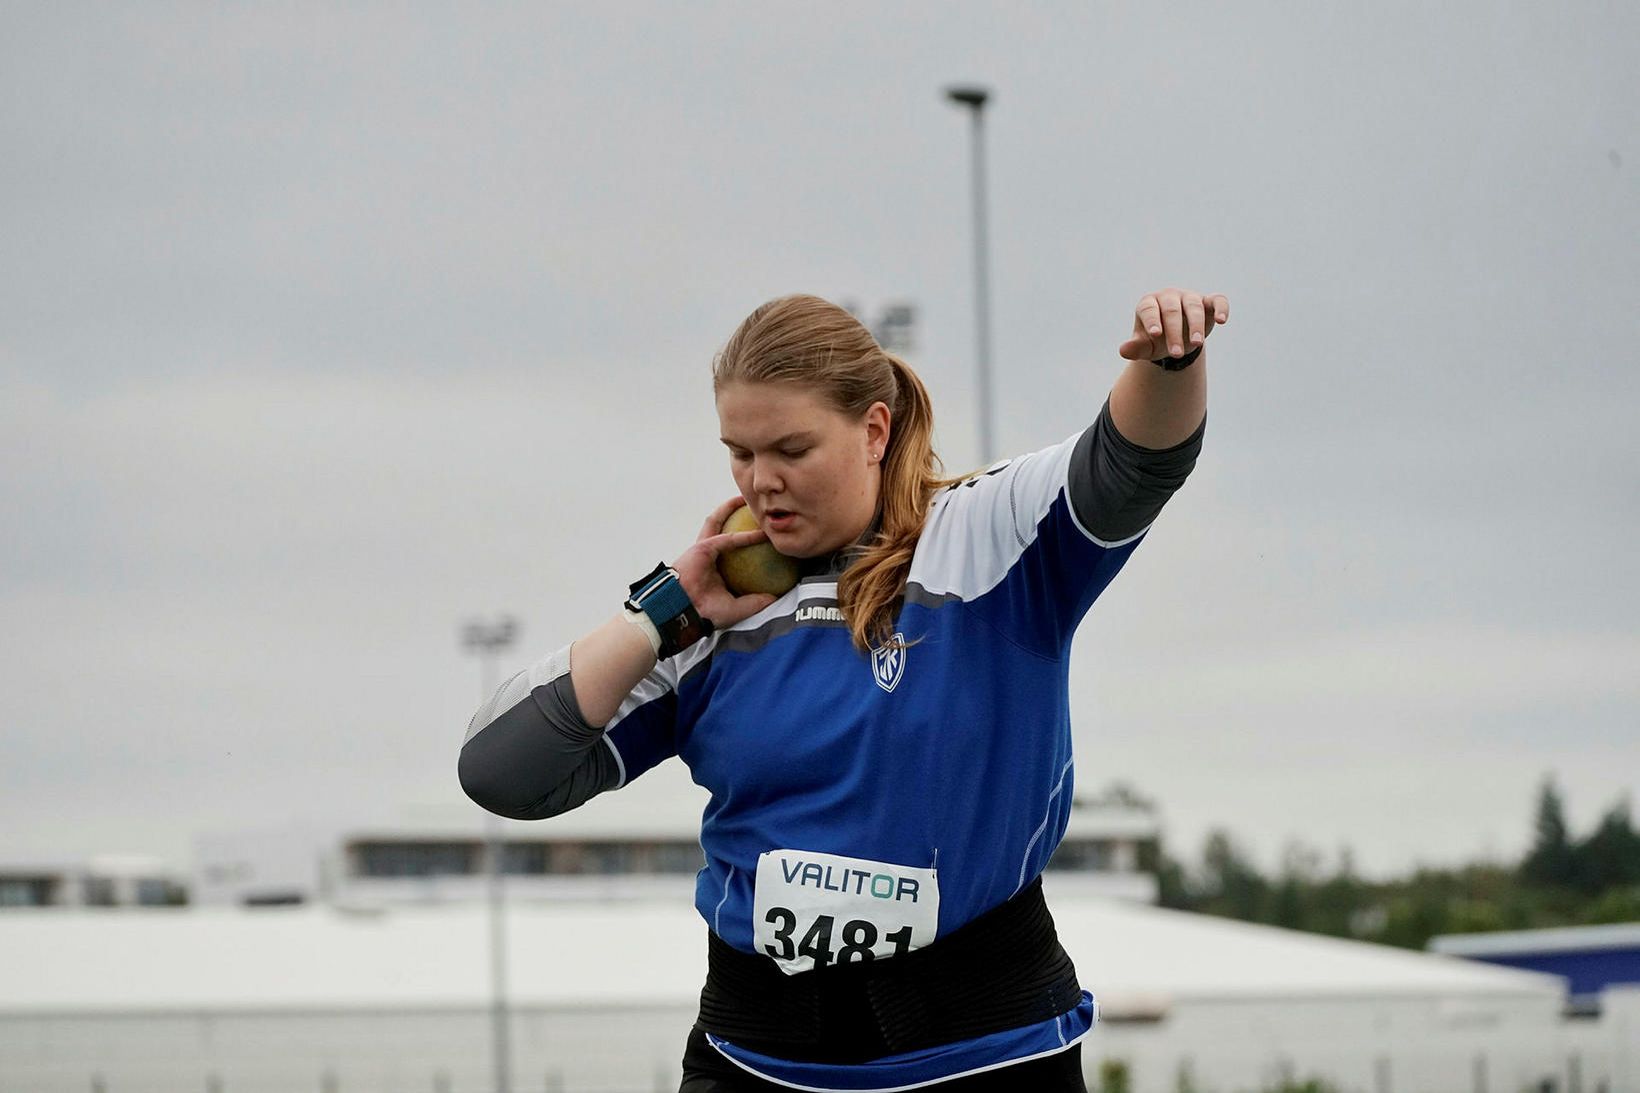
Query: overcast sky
{"points": [[321, 331]]}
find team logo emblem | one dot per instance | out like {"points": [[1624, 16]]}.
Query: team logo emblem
{"points": [[888, 663]]}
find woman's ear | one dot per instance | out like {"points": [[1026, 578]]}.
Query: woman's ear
{"points": [[879, 427]]}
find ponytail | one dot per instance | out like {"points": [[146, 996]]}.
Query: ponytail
{"points": [[870, 591]]}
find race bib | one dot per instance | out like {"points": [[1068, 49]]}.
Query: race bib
{"points": [[810, 910]]}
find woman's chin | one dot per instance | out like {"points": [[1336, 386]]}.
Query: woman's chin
{"points": [[794, 545], [795, 548]]}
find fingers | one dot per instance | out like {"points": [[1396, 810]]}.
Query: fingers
{"points": [[1149, 315], [697, 566], [1196, 321], [716, 544], [1161, 320], [1173, 322], [1149, 334], [714, 522], [737, 539], [1184, 322]]}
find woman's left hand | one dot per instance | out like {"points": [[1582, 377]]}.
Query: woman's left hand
{"points": [[1172, 322]]}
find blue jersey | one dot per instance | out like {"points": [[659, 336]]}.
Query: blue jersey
{"points": [[865, 805], [948, 759]]}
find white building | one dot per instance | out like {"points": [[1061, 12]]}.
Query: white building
{"points": [[109, 880], [320, 998]]}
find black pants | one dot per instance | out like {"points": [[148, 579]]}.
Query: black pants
{"points": [[706, 1071]]}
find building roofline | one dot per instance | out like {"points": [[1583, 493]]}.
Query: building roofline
{"points": [[1561, 939]]}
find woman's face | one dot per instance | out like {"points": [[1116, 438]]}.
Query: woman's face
{"points": [[809, 473]]}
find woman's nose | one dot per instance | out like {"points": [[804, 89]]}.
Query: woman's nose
{"points": [[764, 478]]}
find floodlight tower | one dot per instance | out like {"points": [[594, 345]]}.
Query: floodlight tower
{"points": [[974, 99], [488, 640]]}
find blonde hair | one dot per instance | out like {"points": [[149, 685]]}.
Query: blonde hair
{"points": [[813, 342]]}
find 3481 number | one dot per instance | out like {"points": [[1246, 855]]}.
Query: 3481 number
{"points": [[858, 936]]}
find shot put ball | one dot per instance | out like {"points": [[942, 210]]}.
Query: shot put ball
{"points": [[756, 568]]}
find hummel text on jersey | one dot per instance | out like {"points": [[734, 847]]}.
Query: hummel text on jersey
{"points": [[818, 614], [881, 885]]}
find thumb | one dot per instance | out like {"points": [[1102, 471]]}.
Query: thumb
{"points": [[1135, 349]]}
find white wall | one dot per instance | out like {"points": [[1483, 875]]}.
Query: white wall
{"points": [[1378, 1046], [592, 1051], [1410, 1045]]}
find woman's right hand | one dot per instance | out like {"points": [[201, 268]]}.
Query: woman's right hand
{"points": [[697, 569]]}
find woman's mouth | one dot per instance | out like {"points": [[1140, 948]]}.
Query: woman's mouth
{"points": [[779, 519]]}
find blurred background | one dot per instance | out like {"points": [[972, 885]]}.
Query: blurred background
{"points": [[328, 332]]}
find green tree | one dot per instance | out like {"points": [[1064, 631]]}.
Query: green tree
{"points": [[1291, 903], [1559, 883], [1231, 883], [1550, 863], [1610, 856], [1337, 902], [1416, 913], [1173, 885], [1115, 1076], [1616, 905]]}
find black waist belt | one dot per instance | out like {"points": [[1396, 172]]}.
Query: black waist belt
{"points": [[1003, 970]]}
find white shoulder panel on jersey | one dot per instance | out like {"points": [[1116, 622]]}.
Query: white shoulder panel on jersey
{"points": [[977, 530]]}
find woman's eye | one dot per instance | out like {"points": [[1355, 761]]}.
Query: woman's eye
{"points": [[794, 453]]}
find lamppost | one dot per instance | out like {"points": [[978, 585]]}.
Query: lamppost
{"points": [[974, 99], [488, 640]]}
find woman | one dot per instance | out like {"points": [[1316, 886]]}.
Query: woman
{"points": [[888, 744]]}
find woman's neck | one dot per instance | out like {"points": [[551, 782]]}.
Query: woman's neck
{"points": [[836, 561]]}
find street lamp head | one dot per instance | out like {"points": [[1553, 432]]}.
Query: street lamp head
{"points": [[968, 95], [490, 636]]}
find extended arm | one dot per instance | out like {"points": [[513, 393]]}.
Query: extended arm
{"points": [[1146, 439]]}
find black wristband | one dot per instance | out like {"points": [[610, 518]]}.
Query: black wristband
{"points": [[659, 595], [1179, 364]]}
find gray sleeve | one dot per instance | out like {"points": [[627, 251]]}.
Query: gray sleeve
{"points": [[529, 753], [1117, 487]]}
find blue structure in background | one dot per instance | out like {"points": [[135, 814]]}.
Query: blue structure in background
{"points": [[1589, 958]]}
